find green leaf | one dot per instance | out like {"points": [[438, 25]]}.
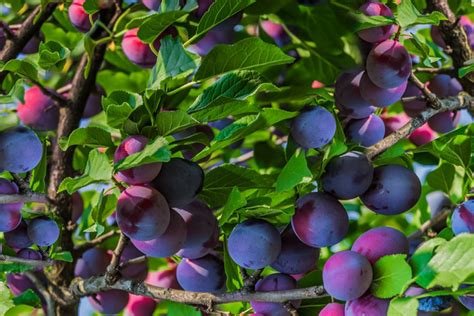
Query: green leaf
{"points": [[51, 53], [451, 264], [235, 201], [173, 62], [21, 67], [442, 177], [218, 12], [391, 274], [29, 297], [230, 87], [171, 122], [119, 105], [90, 136], [98, 169], [38, 174], [296, 171], [18, 310], [178, 309], [365, 22], [155, 24], [249, 53], [62, 256], [104, 207], [403, 306], [463, 71], [6, 303], [13, 267], [220, 181], [266, 6], [156, 151], [407, 14], [419, 260], [233, 279]]}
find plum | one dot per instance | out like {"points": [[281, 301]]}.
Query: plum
{"points": [[79, 17], [16, 158], [139, 52], [164, 278], [11, 215], [413, 108], [295, 257], [93, 262], [367, 131], [18, 283], [422, 135], [18, 238], [254, 244], [380, 97], [43, 231], [332, 309], [39, 111], [437, 202], [444, 122], [394, 190], [179, 181], [140, 306], [381, 241], [221, 34], [314, 128], [142, 213], [468, 299], [29, 254], [137, 271], [393, 123], [198, 251], [205, 274], [444, 86], [137, 175], [462, 220], [77, 207], [203, 6], [347, 275], [380, 33], [271, 283], [275, 31], [388, 64], [109, 302], [367, 305], [167, 244], [320, 220], [347, 95], [152, 4], [348, 176], [94, 103]]}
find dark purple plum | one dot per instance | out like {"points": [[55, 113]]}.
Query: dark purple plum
{"points": [[29, 254], [394, 190], [348, 97], [43, 231], [254, 244], [136, 271], [271, 283], [11, 215], [380, 33], [205, 274], [32, 46], [467, 300], [77, 207], [203, 6], [39, 111], [348, 176], [444, 122], [142, 213], [381, 241], [221, 34], [347, 275], [78, 16], [18, 159], [295, 257], [18, 283], [320, 220], [462, 220], [444, 86], [18, 238], [422, 135], [367, 305], [195, 148], [332, 309], [167, 244], [388, 64], [179, 181], [199, 251], [109, 302], [200, 224], [413, 108], [93, 262], [367, 131], [137, 175], [94, 103], [152, 4], [314, 128], [380, 97]]}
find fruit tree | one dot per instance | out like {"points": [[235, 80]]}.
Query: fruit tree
{"points": [[236, 157]]}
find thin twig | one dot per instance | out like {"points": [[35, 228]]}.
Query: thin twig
{"points": [[431, 98], [113, 268], [413, 98], [446, 71], [24, 198], [96, 241], [132, 261], [438, 219], [40, 264], [53, 94], [50, 303]]}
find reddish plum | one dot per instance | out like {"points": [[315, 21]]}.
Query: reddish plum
{"points": [[142, 213], [254, 244], [422, 135], [78, 16], [109, 302], [380, 33], [347, 275], [332, 309], [394, 190], [380, 97], [347, 95], [39, 111], [137, 175], [367, 305]]}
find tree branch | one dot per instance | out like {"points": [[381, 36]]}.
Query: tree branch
{"points": [[29, 28], [50, 303], [40, 264], [132, 261], [462, 101], [25, 198], [456, 39], [94, 285]]}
